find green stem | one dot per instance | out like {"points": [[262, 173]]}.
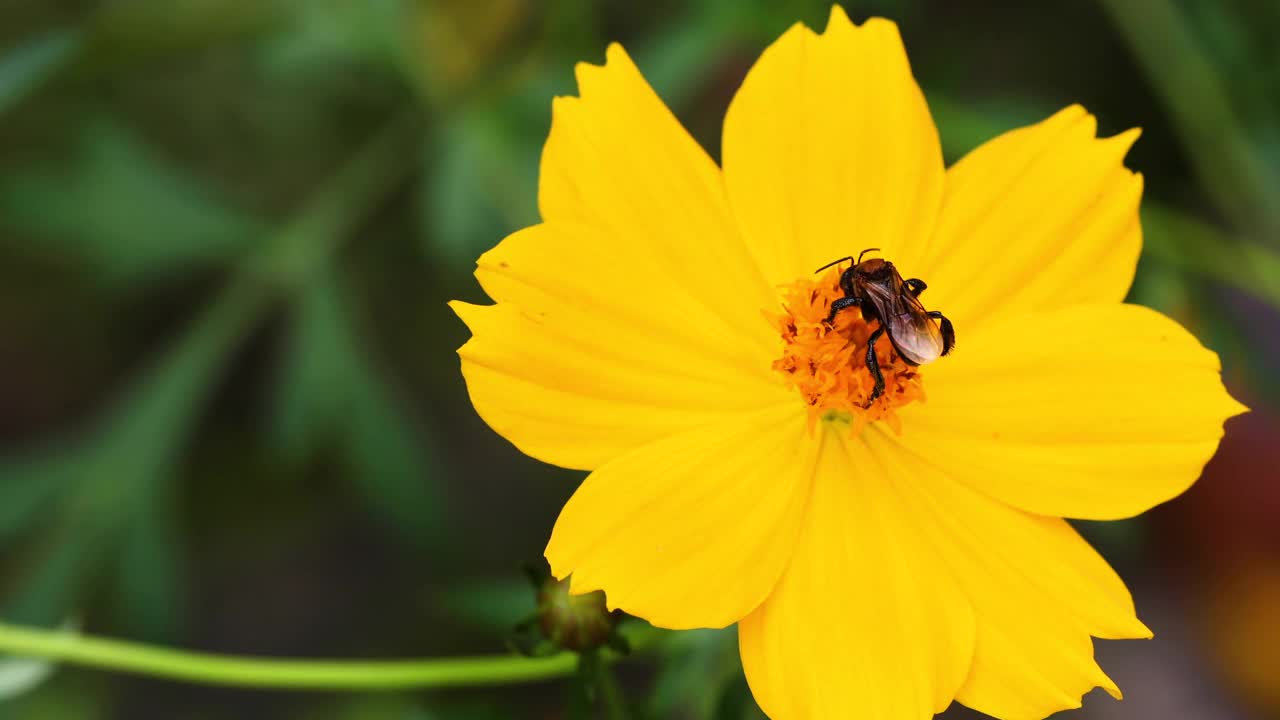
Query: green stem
{"points": [[240, 671], [615, 705]]}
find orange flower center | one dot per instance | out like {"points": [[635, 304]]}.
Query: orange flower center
{"points": [[827, 364]]}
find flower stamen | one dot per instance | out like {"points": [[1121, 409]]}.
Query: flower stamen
{"points": [[827, 365]]}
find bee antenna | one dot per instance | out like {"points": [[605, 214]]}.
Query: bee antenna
{"points": [[834, 262], [864, 252]]}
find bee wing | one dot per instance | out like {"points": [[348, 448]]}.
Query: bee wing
{"points": [[916, 336]]}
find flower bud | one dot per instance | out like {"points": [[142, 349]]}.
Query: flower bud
{"points": [[575, 622]]}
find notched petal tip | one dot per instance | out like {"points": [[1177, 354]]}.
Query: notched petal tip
{"points": [[1074, 110], [1088, 123], [1228, 406], [796, 32], [1119, 145], [1106, 683], [838, 18], [563, 570], [565, 114], [616, 53], [883, 26], [874, 31], [1126, 628], [1077, 115], [1129, 136], [466, 312], [591, 76], [1234, 407], [579, 586], [562, 103], [584, 74], [812, 106], [559, 570]]}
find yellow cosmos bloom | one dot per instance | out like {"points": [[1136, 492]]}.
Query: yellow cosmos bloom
{"points": [[663, 327]]}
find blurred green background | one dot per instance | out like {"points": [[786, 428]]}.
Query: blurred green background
{"points": [[231, 416]]}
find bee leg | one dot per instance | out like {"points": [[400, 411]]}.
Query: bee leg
{"points": [[948, 332], [914, 286], [841, 304], [873, 365]]}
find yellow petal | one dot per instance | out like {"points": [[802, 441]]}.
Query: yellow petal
{"points": [[1037, 588], [867, 621], [617, 300], [829, 148], [575, 376], [1038, 218], [618, 162], [633, 312], [693, 530], [1091, 411]]}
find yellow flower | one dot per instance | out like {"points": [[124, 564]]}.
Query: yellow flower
{"points": [[663, 327]]}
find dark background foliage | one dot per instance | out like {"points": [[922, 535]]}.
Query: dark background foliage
{"points": [[231, 416]]}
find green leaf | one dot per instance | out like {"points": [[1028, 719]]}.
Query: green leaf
{"points": [[134, 32], [124, 464], [394, 460], [964, 126], [150, 578], [310, 399], [65, 695], [320, 35], [736, 702], [665, 57], [330, 389], [124, 210], [1198, 247], [481, 184], [694, 661], [1161, 286], [27, 67], [19, 676], [116, 470], [27, 488], [494, 606], [51, 592], [1195, 92]]}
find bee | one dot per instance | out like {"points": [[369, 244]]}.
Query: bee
{"points": [[920, 336]]}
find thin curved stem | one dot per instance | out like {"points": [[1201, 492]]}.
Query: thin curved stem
{"points": [[294, 674]]}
